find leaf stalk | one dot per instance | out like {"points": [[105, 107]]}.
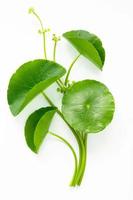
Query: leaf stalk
{"points": [[43, 30], [70, 68], [78, 174], [72, 150]]}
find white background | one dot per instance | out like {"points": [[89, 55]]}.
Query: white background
{"points": [[24, 175]]}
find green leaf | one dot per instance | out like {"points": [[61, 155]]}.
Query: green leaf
{"points": [[88, 45], [37, 126], [88, 106], [30, 80]]}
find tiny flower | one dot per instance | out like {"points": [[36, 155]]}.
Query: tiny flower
{"points": [[31, 10], [43, 31], [47, 30], [40, 31], [55, 38]]}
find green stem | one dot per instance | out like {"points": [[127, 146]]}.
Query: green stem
{"points": [[80, 177], [81, 150], [47, 98], [59, 81], [43, 32], [54, 51], [72, 150], [60, 84], [70, 68], [61, 115], [81, 162], [77, 136]]}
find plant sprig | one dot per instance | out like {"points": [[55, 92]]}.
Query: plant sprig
{"points": [[87, 105]]}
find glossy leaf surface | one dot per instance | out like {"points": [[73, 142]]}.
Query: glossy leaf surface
{"points": [[37, 126], [88, 106], [30, 80], [88, 45]]}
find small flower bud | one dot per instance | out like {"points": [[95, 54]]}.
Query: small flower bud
{"points": [[47, 30], [40, 31], [43, 31], [31, 10], [55, 38]]}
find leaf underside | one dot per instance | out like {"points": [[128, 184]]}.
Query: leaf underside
{"points": [[30, 80], [88, 106], [88, 45], [37, 126]]}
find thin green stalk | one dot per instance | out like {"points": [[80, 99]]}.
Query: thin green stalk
{"points": [[48, 99], [81, 149], [61, 115], [43, 32], [81, 162], [56, 39], [70, 68], [77, 136], [72, 150], [61, 82], [84, 161], [60, 85], [54, 51]]}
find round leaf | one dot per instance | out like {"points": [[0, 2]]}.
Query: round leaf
{"points": [[88, 45], [88, 106], [29, 80], [37, 126]]}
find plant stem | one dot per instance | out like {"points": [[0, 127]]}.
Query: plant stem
{"points": [[71, 148], [70, 68], [81, 149], [61, 115], [60, 84], [43, 32], [81, 163], [54, 51], [56, 39], [84, 161], [77, 136]]}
